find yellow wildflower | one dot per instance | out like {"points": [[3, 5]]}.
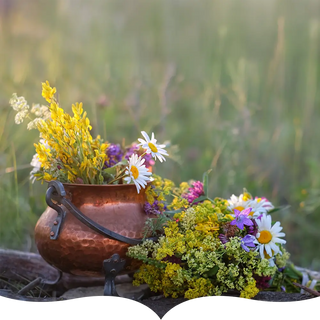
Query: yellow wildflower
{"points": [[71, 177], [184, 186], [199, 288], [250, 290], [48, 177], [178, 203], [77, 110], [47, 91]]}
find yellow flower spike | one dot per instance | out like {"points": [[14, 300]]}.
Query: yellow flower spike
{"points": [[47, 91], [48, 177], [246, 195], [71, 177], [88, 124], [77, 110], [104, 146]]}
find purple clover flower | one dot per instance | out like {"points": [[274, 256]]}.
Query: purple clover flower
{"points": [[262, 282], [194, 192], [241, 218], [247, 241], [114, 154]]}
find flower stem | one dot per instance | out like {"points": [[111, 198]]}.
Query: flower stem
{"points": [[118, 177]]}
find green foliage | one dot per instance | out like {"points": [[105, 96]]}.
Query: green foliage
{"points": [[233, 84]]}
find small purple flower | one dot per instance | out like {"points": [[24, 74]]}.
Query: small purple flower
{"points": [[247, 241], [114, 154], [154, 208], [223, 238], [194, 192], [283, 288], [241, 218], [253, 230]]}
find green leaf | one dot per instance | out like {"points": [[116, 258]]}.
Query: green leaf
{"points": [[109, 171], [199, 199], [278, 209], [205, 179], [112, 170], [172, 212], [291, 272], [212, 272]]}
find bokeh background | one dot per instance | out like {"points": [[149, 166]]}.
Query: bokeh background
{"points": [[233, 85]]}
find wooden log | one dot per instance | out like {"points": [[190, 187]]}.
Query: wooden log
{"points": [[20, 266]]}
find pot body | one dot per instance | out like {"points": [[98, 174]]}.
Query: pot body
{"points": [[79, 250]]}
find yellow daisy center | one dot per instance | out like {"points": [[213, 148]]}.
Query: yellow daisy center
{"points": [[135, 172], [152, 147], [266, 255], [265, 236], [251, 213], [240, 208]]}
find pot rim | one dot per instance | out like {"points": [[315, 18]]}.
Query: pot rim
{"points": [[100, 185]]}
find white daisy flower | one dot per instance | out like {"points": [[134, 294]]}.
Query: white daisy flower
{"points": [[267, 237], [152, 147], [239, 203], [137, 172], [259, 205], [265, 203]]}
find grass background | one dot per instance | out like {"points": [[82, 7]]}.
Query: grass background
{"points": [[234, 85]]}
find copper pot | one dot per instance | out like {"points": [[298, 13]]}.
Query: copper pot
{"points": [[78, 249]]}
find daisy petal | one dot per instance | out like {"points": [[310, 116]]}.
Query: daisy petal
{"points": [[145, 135], [261, 249], [268, 249]]}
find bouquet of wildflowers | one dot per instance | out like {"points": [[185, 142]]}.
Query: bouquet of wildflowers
{"points": [[213, 246], [67, 152], [205, 246]]}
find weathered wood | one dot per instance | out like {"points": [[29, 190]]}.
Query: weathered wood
{"points": [[19, 266], [311, 291]]}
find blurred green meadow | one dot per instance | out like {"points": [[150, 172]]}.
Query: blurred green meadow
{"points": [[233, 85]]}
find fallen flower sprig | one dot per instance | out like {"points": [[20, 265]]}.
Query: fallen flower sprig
{"points": [[212, 246]]}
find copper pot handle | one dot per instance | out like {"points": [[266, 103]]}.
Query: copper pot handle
{"points": [[57, 193]]}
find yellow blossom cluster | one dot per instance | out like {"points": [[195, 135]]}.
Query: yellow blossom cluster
{"points": [[152, 196], [250, 291], [199, 288], [70, 153]]}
